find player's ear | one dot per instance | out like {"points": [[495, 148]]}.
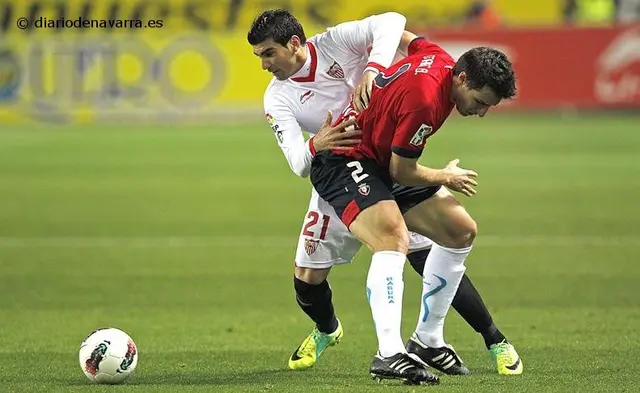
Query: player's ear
{"points": [[295, 42], [461, 78]]}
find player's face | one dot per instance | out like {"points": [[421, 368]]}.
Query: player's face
{"points": [[470, 102], [281, 61]]}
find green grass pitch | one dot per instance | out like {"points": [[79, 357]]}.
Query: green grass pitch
{"points": [[184, 238]]}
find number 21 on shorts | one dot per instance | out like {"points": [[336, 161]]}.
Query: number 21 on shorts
{"points": [[314, 218]]}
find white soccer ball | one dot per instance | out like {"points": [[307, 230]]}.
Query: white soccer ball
{"points": [[108, 356]]}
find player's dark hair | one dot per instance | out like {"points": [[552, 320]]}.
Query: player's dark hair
{"points": [[278, 25], [488, 67]]}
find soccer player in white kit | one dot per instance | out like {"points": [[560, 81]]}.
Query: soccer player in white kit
{"points": [[311, 78]]}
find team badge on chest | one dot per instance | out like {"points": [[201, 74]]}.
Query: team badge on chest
{"points": [[335, 71]]}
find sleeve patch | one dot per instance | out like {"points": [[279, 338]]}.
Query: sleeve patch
{"points": [[419, 137], [272, 122]]}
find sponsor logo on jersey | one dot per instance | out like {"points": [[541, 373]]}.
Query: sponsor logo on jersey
{"points": [[306, 96]]}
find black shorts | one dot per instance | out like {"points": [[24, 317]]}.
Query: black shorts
{"points": [[350, 185]]}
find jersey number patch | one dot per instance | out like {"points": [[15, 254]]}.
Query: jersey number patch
{"points": [[315, 217], [382, 80], [357, 174]]}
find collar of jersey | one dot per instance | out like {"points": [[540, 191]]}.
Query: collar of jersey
{"points": [[311, 64]]}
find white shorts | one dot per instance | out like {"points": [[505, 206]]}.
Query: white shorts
{"points": [[325, 241]]}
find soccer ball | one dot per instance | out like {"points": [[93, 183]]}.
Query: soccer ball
{"points": [[108, 355]]}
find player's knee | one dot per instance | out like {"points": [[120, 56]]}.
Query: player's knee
{"points": [[311, 276], [401, 237], [394, 236], [465, 234]]}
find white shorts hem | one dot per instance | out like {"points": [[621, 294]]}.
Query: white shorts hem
{"points": [[321, 265]]}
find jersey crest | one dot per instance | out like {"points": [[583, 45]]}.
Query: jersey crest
{"points": [[335, 71], [363, 189], [310, 246]]}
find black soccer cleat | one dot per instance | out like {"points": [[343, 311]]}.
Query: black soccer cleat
{"points": [[401, 366], [443, 359]]}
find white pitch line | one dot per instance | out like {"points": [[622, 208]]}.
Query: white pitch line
{"points": [[291, 241]]}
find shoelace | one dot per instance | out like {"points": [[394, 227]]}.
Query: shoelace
{"points": [[317, 336], [502, 351]]}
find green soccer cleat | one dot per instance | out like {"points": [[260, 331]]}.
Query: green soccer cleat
{"points": [[506, 359], [307, 354]]}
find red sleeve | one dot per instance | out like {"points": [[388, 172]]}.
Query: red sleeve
{"points": [[422, 45], [419, 44], [412, 131], [377, 66]]}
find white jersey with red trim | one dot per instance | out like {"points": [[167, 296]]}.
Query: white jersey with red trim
{"points": [[335, 62]]}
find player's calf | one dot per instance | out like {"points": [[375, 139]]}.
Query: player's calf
{"points": [[313, 295], [316, 301], [417, 260], [445, 221], [382, 228]]}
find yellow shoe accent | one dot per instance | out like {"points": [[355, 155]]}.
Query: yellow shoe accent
{"points": [[307, 354], [506, 359]]}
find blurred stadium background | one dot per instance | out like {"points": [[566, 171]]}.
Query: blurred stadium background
{"points": [[141, 188]]}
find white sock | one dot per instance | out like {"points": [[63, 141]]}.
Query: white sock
{"points": [[384, 291], [443, 271]]}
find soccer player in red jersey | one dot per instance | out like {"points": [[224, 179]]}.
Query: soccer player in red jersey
{"points": [[410, 101]]}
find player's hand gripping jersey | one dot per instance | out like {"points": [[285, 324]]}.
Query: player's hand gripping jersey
{"points": [[410, 101]]}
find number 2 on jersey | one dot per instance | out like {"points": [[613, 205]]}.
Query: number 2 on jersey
{"points": [[315, 217], [381, 80], [356, 174]]}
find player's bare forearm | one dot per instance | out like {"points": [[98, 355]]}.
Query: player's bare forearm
{"points": [[408, 172], [422, 176]]}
